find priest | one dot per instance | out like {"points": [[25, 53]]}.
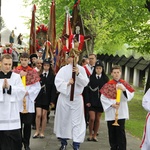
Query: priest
{"points": [[12, 92]]}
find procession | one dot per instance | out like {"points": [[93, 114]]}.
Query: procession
{"points": [[55, 93]]}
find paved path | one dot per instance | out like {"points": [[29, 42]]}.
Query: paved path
{"points": [[50, 142]]}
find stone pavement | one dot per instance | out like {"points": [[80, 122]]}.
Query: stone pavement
{"points": [[50, 142]]}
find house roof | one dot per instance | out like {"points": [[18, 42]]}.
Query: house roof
{"points": [[133, 62], [142, 64], [116, 59], [106, 58], [100, 56], [111, 57], [124, 60]]}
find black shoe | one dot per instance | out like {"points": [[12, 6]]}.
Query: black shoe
{"points": [[89, 139], [27, 148], [63, 147]]}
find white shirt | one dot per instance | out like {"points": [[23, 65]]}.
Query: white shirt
{"points": [[46, 73], [98, 76]]}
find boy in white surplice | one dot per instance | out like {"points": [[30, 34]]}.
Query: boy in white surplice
{"points": [[117, 136], [69, 118]]}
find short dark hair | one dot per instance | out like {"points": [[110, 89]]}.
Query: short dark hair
{"points": [[93, 55], [116, 67], [83, 60], [24, 55], [6, 56]]}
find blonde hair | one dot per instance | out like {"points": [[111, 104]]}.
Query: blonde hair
{"points": [[6, 56]]}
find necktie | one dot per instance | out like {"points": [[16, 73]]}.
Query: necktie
{"points": [[98, 77], [45, 74]]}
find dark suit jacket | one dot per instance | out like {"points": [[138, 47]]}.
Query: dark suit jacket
{"points": [[48, 90]]}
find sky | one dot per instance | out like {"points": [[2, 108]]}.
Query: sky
{"points": [[11, 11]]}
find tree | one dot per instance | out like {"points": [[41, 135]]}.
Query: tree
{"points": [[111, 23], [2, 24], [116, 23]]}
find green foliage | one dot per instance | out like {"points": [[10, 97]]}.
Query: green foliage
{"points": [[111, 23], [120, 22], [2, 24], [135, 124]]}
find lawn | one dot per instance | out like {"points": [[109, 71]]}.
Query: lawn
{"points": [[136, 122]]}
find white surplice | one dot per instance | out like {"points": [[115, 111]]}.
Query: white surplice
{"points": [[145, 145], [9, 103], [33, 91], [69, 118], [123, 111]]}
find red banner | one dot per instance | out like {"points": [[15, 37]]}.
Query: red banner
{"points": [[52, 27], [33, 32]]}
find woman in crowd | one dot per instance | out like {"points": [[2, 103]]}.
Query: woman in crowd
{"points": [[46, 97], [97, 80]]}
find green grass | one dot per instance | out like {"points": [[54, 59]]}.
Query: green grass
{"points": [[136, 122]]}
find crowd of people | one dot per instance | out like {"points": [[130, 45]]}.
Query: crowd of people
{"points": [[27, 103]]}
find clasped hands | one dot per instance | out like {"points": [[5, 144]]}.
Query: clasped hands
{"points": [[23, 73], [5, 84], [121, 87]]}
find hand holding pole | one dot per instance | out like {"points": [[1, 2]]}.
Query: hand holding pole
{"points": [[24, 99], [118, 96]]}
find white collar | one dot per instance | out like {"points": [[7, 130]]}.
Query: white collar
{"points": [[98, 75], [45, 72], [91, 67]]}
